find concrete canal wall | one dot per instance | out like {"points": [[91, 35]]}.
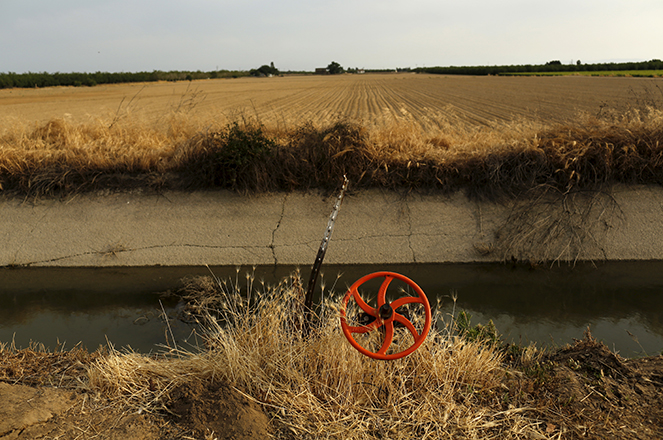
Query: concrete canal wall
{"points": [[373, 227]]}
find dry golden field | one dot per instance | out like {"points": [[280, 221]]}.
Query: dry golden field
{"points": [[373, 99], [491, 135]]}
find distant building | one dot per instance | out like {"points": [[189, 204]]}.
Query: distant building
{"points": [[321, 71]]}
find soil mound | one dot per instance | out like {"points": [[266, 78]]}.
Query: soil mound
{"points": [[218, 410], [602, 395]]}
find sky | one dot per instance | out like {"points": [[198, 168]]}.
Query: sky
{"points": [[147, 35]]}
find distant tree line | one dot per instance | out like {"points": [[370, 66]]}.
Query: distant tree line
{"points": [[396, 69], [45, 79], [550, 66]]}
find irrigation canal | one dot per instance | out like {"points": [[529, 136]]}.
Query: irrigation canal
{"points": [[622, 302]]}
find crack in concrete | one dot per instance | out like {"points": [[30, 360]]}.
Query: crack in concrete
{"points": [[114, 253], [372, 236], [272, 246], [315, 245], [115, 250], [409, 229]]}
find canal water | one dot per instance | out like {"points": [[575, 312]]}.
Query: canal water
{"points": [[622, 303]]}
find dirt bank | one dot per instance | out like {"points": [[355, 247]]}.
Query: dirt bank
{"points": [[582, 391]]}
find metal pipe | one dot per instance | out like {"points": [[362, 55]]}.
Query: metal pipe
{"points": [[308, 302]]}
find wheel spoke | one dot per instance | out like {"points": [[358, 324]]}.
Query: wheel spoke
{"points": [[363, 328], [406, 322], [388, 337], [383, 291], [363, 305], [405, 300]]}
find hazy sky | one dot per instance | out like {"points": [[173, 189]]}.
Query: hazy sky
{"points": [[137, 35]]}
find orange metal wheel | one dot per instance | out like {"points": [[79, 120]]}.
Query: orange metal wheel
{"points": [[385, 315]]}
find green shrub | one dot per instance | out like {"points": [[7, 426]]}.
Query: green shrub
{"points": [[234, 158], [479, 333]]}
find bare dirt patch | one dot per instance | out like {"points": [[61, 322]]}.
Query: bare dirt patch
{"points": [[218, 410], [195, 411], [46, 412], [23, 406]]}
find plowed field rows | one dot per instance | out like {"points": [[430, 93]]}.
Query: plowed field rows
{"points": [[427, 100]]}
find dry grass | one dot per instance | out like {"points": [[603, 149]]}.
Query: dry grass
{"points": [[38, 366], [504, 160], [63, 157], [320, 386]]}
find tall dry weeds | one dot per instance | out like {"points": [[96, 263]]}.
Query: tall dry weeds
{"points": [[319, 385], [176, 152]]}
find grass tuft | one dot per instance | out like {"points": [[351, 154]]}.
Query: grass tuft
{"points": [[319, 385], [37, 366]]}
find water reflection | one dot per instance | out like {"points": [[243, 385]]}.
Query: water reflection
{"points": [[546, 305]]}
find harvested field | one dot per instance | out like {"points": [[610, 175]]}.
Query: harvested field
{"points": [[373, 99]]}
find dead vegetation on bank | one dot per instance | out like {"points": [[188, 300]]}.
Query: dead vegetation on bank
{"points": [[461, 383], [500, 161]]}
